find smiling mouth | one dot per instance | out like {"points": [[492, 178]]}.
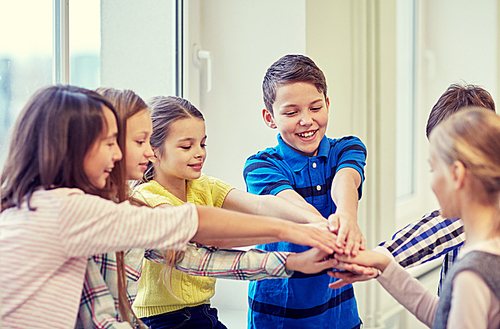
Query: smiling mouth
{"points": [[196, 165], [307, 134]]}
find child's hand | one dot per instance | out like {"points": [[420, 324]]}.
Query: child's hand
{"points": [[308, 235], [349, 236], [352, 273], [310, 261], [365, 258], [324, 226]]}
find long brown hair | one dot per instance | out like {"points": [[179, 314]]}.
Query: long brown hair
{"points": [[51, 136], [472, 137], [126, 103]]}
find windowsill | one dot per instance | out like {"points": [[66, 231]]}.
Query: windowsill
{"points": [[421, 270]]}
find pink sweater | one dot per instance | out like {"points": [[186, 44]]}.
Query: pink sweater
{"points": [[473, 305], [43, 253]]}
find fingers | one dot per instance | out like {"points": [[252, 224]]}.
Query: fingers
{"points": [[341, 237], [324, 265], [322, 240], [363, 243], [337, 284], [333, 223], [348, 278], [349, 247]]}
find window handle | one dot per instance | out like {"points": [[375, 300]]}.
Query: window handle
{"points": [[199, 55]]}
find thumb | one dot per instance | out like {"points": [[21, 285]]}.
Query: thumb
{"points": [[333, 223]]}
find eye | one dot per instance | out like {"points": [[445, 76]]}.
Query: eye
{"points": [[140, 142], [186, 147], [290, 113], [316, 108], [203, 145]]}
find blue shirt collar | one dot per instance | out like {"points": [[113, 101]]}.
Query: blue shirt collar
{"points": [[298, 161]]}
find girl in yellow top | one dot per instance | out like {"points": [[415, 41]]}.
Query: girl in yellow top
{"points": [[174, 177]]}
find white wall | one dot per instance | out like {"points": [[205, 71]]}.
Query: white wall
{"points": [[244, 38], [137, 39]]}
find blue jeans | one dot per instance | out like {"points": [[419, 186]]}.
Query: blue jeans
{"points": [[198, 317]]}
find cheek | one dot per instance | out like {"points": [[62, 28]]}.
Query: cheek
{"points": [[323, 119]]}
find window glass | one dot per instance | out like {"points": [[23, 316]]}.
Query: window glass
{"points": [[25, 58], [405, 91], [85, 43]]}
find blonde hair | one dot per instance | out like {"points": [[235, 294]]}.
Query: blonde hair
{"points": [[473, 138]]}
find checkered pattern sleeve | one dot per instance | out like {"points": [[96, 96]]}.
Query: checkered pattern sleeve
{"points": [[425, 240], [234, 264]]}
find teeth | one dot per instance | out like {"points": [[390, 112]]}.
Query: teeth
{"points": [[308, 134]]}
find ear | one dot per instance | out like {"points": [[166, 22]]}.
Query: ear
{"points": [[458, 171], [327, 104], [268, 119]]}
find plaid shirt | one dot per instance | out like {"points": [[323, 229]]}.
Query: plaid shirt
{"points": [[99, 302], [427, 239]]}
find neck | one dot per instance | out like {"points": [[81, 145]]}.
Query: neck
{"points": [[481, 222], [176, 186]]}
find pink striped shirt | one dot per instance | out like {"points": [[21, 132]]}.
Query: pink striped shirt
{"points": [[43, 253]]}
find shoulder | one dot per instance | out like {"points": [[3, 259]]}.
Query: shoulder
{"points": [[336, 143], [152, 194], [269, 154]]}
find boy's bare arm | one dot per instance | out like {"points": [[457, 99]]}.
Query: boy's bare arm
{"points": [[345, 195], [295, 198]]}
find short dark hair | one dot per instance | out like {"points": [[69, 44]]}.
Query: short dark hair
{"points": [[456, 98], [51, 137], [290, 69]]}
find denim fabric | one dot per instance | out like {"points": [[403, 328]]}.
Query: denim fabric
{"points": [[198, 317]]}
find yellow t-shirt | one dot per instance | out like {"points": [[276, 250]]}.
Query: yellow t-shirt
{"points": [[153, 297]]}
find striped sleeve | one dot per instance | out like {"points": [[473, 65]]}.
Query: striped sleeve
{"points": [[263, 176], [425, 240], [350, 152], [234, 264], [90, 225]]}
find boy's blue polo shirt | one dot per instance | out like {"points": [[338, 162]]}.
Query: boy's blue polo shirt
{"points": [[303, 301]]}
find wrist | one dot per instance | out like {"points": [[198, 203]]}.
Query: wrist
{"points": [[290, 262], [382, 263]]}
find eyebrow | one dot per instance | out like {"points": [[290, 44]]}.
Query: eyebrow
{"points": [[188, 139], [295, 105], [115, 135]]}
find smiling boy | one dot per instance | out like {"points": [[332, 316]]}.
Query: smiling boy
{"points": [[317, 173]]}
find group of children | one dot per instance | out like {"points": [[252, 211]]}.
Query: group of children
{"points": [[79, 246]]}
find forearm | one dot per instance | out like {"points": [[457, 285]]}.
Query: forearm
{"points": [[219, 226], [409, 292], [345, 193], [278, 207], [425, 240], [295, 198], [234, 264]]}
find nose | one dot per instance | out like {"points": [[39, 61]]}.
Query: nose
{"points": [[306, 119], [149, 151], [201, 152], [117, 154]]}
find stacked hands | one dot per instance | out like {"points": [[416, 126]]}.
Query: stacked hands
{"points": [[347, 254]]}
